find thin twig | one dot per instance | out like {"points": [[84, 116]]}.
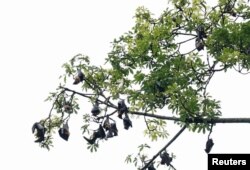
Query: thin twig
{"points": [[182, 42]]}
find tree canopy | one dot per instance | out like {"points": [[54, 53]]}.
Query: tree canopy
{"points": [[161, 63]]}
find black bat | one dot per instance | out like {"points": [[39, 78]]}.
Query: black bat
{"points": [[122, 108], [99, 133], [106, 124], [200, 31], [92, 138], [209, 145], [79, 77], [95, 110], [112, 131], [40, 131], [109, 134], [165, 158], [151, 167], [67, 107], [64, 132], [199, 44], [127, 122]]}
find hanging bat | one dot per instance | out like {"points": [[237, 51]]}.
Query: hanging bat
{"points": [[127, 122], [67, 107], [64, 132], [40, 131], [151, 167], [95, 110], [99, 133], [92, 139], [199, 44], [112, 131], [122, 108], [200, 31], [209, 145], [79, 77], [109, 134], [165, 158], [106, 124]]}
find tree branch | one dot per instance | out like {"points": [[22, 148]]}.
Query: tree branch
{"points": [[89, 97], [177, 119], [182, 42], [164, 148], [196, 120]]}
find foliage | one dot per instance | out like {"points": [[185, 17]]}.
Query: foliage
{"points": [[156, 66]]}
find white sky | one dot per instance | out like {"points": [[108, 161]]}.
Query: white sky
{"points": [[37, 37]]}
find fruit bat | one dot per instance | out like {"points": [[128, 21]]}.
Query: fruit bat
{"points": [[200, 31], [127, 122], [92, 139], [165, 158], [209, 145], [79, 77], [109, 134], [106, 124], [64, 132], [67, 107], [99, 133], [199, 44], [151, 167], [95, 110], [40, 131], [122, 108], [112, 131]]}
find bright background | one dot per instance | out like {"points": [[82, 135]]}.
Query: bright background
{"points": [[37, 37]]}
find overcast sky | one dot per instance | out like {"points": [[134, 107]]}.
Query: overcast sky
{"points": [[37, 37]]}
